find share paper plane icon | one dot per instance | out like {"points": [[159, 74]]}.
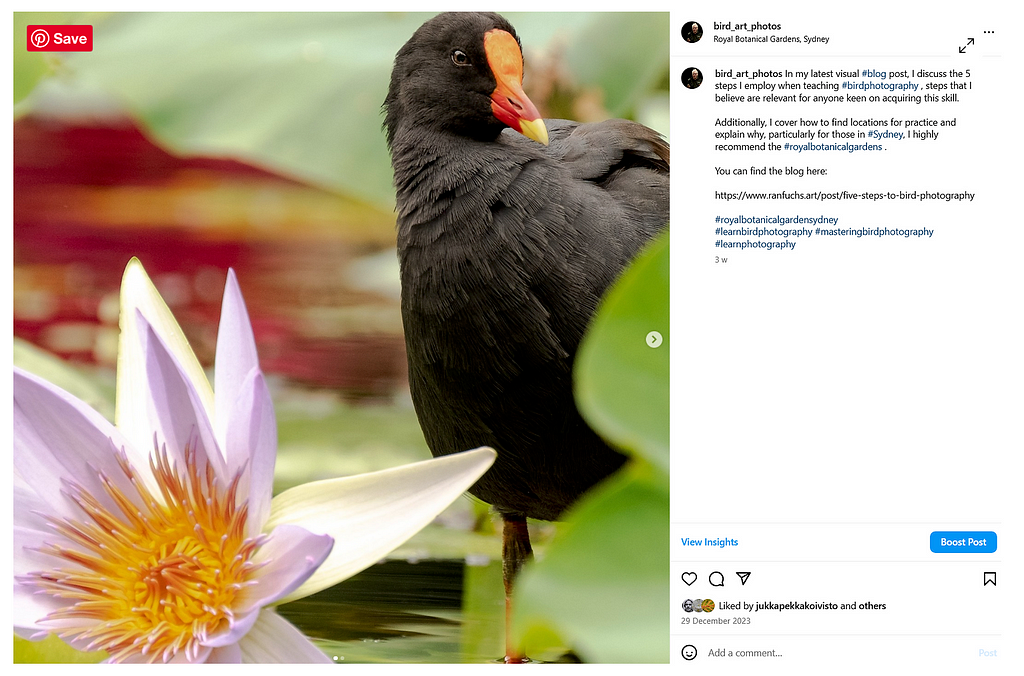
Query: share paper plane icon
{"points": [[743, 577]]}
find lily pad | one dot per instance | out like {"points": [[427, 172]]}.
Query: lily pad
{"points": [[602, 585], [622, 382]]}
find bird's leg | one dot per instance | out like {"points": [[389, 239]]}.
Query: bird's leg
{"points": [[515, 551]]}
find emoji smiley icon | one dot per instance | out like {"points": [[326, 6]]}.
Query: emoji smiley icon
{"points": [[689, 652]]}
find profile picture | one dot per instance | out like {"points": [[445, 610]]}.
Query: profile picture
{"points": [[692, 78], [692, 31]]}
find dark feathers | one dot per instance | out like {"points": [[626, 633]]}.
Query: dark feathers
{"points": [[506, 248]]}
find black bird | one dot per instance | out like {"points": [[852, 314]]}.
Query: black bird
{"points": [[507, 241]]}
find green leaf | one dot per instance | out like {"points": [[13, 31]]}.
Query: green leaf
{"points": [[298, 93], [52, 650], [622, 383], [624, 55], [603, 584]]}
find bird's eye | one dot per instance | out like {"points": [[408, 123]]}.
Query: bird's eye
{"points": [[459, 58]]}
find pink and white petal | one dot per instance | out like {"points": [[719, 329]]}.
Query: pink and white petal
{"points": [[229, 654], [375, 512], [27, 559], [56, 436], [131, 413], [275, 640], [29, 508], [166, 657], [30, 607], [202, 652], [252, 437], [289, 557], [24, 606], [235, 630], [175, 412], [236, 354]]}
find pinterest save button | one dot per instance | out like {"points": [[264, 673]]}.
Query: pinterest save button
{"points": [[63, 38]]}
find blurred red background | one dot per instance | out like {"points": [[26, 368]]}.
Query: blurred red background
{"points": [[318, 271]]}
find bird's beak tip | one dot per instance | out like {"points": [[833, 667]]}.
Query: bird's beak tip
{"points": [[534, 129]]}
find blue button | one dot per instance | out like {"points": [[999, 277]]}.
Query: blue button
{"points": [[963, 541]]}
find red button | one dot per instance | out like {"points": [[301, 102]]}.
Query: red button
{"points": [[59, 39]]}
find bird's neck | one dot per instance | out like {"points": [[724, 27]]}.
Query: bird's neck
{"points": [[431, 162]]}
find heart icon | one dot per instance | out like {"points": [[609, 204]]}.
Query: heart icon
{"points": [[689, 578]]}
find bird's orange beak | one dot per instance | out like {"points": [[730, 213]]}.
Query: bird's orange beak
{"points": [[508, 102]]}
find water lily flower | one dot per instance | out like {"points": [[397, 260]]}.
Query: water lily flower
{"points": [[157, 538]]}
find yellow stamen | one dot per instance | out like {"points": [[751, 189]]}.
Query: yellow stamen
{"points": [[161, 576]]}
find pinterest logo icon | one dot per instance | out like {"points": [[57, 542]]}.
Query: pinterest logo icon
{"points": [[40, 38]]}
